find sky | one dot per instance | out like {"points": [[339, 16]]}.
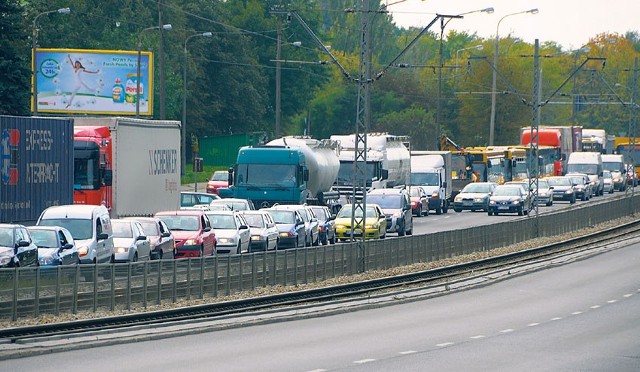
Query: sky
{"points": [[570, 23]]}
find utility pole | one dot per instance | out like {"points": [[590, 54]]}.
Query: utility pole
{"points": [[161, 65], [278, 82], [358, 211], [633, 118], [535, 123]]}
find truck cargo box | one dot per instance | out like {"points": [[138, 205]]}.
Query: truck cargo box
{"points": [[37, 166]]}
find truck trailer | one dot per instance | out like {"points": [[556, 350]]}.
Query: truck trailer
{"points": [[36, 155], [131, 166], [388, 162]]}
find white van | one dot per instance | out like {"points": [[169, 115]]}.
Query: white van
{"points": [[90, 227], [589, 163], [615, 164]]}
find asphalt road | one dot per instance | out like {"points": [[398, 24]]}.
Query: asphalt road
{"points": [[578, 316]]}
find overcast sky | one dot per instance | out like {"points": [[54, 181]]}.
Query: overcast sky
{"points": [[571, 23]]}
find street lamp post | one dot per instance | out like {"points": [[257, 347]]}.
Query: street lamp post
{"points": [[443, 24], [164, 27], [34, 45], [475, 47], [492, 122], [183, 131]]}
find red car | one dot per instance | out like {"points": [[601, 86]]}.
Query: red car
{"points": [[219, 180], [192, 231]]}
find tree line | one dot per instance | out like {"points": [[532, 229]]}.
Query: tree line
{"points": [[231, 81]]}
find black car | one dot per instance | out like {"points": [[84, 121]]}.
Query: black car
{"points": [[16, 247], [55, 245]]}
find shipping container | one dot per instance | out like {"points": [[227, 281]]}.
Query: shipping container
{"points": [[36, 169], [223, 150]]}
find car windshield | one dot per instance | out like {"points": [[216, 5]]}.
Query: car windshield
{"points": [[506, 191], [578, 180], [254, 220], [414, 191], [606, 174], [44, 238], [560, 181], [220, 176], [320, 213], [543, 184], [477, 187], [181, 223], [80, 229], [6, 236], [150, 228], [222, 221], [385, 201], [345, 212], [121, 229], [233, 205], [283, 216]]}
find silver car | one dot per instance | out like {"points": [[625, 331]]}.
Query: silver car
{"points": [[232, 231], [264, 232], [163, 244], [312, 235], [130, 244]]}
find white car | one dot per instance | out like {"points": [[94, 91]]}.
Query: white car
{"points": [[130, 244], [232, 231], [264, 232]]}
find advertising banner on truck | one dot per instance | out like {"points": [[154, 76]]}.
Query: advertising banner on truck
{"points": [[81, 81]]}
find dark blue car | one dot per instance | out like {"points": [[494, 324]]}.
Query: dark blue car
{"points": [[55, 245], [16, 247]]}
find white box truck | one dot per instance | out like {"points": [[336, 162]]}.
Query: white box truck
{"points": [[132, 166], [432, 171], [589, 163]]}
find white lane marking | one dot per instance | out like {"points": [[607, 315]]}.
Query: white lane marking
{"points": [[506, 330], [318, 370], [595, 307], [476, 337], [444, 344], [407, 352], [556, 318], [628, 295], [576, 313], [363, 361], [612, 301], [533, 324]]}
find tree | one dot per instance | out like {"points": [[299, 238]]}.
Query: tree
{"points": [[14, 73]]}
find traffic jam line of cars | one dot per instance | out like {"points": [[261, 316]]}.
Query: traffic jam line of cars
{"points": [[207, 225]]}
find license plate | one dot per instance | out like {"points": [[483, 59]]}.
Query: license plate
{"points": [[501, 207], [467, 203]]}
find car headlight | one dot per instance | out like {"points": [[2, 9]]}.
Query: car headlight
{"points": [[593, 183], [397, 215], [257, 237], [191, 242], [543, 194], [340, 227], [371, 226], [617, 179], [227, 241], [458, 199], [516, 201], [435, 195], [4, 260], [479, 200], [82, 251], [492, 202], [122, 249], [569, 192], [286, 234]]}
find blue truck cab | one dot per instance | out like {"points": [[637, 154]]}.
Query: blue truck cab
{"points": [[269, 175]]}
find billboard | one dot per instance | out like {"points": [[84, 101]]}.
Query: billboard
{"points": [[81, 81]]}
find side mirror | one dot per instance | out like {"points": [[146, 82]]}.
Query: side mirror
{"points": [[23, 243], [67, 246], [141, 237], [206, 229], [244, 227], [103, 236], [108, 177], [385, 174], [165, 235], [230, 177]]}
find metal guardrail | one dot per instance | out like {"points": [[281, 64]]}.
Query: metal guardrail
{"points": [[27, 292]]}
